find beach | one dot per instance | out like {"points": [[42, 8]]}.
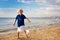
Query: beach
{"points": [[51, 33], [40, 29], [40, 17]]}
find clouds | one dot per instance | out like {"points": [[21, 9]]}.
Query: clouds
{"points": [[31, 1], [53, 11], [43, 12], [32, 8], [58, 2], [8, 12], [29, 12], [50, 2], [39, 12]]}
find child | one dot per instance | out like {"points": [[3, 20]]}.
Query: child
{"points": [[20, 22]]}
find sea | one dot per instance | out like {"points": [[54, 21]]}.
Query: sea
{"points": [[36, 22]]}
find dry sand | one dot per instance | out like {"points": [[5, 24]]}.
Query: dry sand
{"points": [[52, 33]]}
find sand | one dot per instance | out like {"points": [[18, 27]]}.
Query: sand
{"points": [[52, 33]]}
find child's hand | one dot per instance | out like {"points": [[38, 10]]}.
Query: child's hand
{"points": [[28, 20], [14, 24]]}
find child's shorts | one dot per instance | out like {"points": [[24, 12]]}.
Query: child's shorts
{"points": [[22, 28]]}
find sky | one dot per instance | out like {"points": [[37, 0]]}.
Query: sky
{"points": [[31, 8]]}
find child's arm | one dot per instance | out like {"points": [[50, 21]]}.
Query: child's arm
{"points": [[27, 19], [14, 22]]}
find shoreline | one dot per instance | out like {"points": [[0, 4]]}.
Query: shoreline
{"points": [[52, 33], [6, 31]]}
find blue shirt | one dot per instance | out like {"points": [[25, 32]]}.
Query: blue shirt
{"points": [[20, 20]]}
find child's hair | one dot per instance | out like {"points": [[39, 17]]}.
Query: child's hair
{"points": [[19, 10]]}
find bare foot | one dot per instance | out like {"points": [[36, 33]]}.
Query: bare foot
{"points": [[18, 38]]}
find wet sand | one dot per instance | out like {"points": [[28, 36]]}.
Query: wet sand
{"points": [[52, 33]]}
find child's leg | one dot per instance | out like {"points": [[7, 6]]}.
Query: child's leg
{"points": [[26, 33], [18, 35], [18, 30]]}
